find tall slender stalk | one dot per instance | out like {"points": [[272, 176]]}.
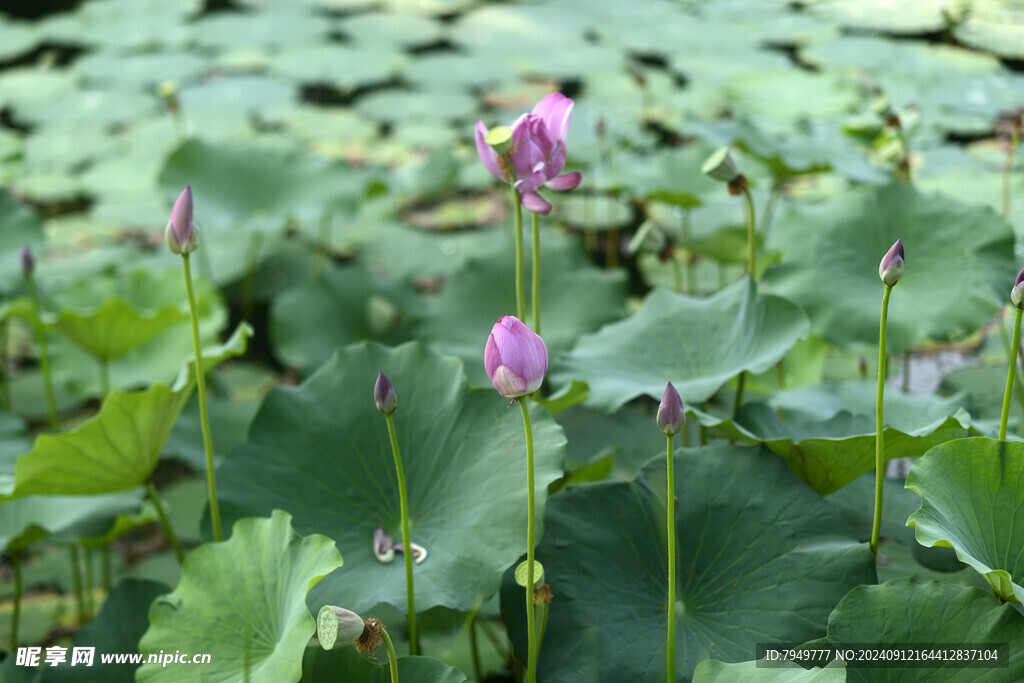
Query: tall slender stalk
{"points": [[876, 526], [414, 648], [392, 657], [16, 608], [76, 582], [517, 207], [1018, 384], [751, 264], [90, 582], [535, 293], [44, 354], [531, 668], [1008, 394], [204, 418], [165, 522], [5, 385], [670, 641]]}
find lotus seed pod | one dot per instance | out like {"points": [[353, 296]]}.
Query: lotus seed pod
{"points": [[337, 627], [720, 165]]}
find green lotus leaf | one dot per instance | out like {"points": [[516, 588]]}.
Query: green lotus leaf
{"points": [[909, 611], [119, 447], [730, 332], [116, 326], [894, 16], [321, 450], [121, 621], [25, 521], [243, 602], [971, 492], [993, 26], [830, 453], [575, 298], [258, 189], [345, 664], [714, 671], [956, 252], [767, 565]]}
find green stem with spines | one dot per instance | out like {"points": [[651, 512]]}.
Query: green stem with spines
{"points": [[403, 498], [517, 207], [392, 657], [165, 522], [204, 416], [670, 497], [876, 525], [1008, 394], [44, 354], [535, 293], [750, 233], [531, 633]]}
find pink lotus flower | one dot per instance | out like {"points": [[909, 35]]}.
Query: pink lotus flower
{"points": [[515, 358], [538, 152], [182, 235]]}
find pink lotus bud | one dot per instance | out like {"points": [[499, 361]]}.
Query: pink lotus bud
{"points": [[384, 395], [671, 417], [1017, 293], [891, 267], [515, 358], [28, 264], [182, 235]]}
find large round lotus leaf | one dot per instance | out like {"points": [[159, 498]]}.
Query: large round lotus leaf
{"points": [[117, 628], [275, 28], [309, 322], [730, 332], [321, 451], [33, 86], [829, 454], [910, 611], [894, 16], [971, 492], [93, 108], [993, 26], [384, 28], [390, 106], [345, 664], [256, 188], [344, 68], [119, 447], [243, 602], [760, 558], [714, 671], [789, 95], [125, 24], [20, 226], [138, 72], [25, 521], [15, 38], [958, 257], [576, 298]]}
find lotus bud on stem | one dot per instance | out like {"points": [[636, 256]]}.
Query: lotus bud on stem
{"points": [[1017, 299], [516, 360], [387, 401], [182, 238], [28, 268], [671, 420], [890, 271]]}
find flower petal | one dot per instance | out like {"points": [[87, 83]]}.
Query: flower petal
{"points": [[534, 203], [555, 110], [487, 155], [569, 181]]}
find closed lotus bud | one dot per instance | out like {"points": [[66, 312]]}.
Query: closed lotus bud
{"points": [[1017, 293], [337, 627], [671, 416], [515, 358], [891, 267], [720, 165], [181, 234], [384, 395], [28, 264]]}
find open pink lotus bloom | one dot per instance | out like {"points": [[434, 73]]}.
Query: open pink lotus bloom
{"points": [[515, 358], [538, 151]]}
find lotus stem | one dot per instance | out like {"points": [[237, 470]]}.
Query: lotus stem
{"points": [[670, 497], [392, 657], [16, 608], [44, 355], [76, 582], [204, 416], [518, 210], [407, 554], [531, 668], [876, 526], [1008, 394], [535, 293], [165, 522], [751, 217]]}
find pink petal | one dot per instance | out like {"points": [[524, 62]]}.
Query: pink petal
{"points": [[569, 181], [181, 216], [533, 182], [487, 155], [534, 203], [555, 110]]}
